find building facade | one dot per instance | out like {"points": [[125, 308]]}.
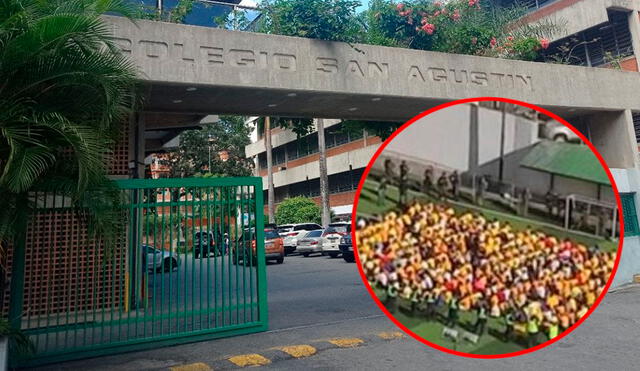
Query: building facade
{"points": [[296, 163], [602, 34]]}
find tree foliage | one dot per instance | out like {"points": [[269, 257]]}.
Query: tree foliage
{"points": [[65, 87], [332, 20], [298, 210], [175, 14], [230, 134], [476, 27]]}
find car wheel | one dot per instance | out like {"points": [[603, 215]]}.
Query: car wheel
{"points": [[349, 259], [306, 254], [333, 255], [169, 264], [280, 260]]}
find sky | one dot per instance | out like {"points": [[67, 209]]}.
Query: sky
{"points": [[365, 4]]}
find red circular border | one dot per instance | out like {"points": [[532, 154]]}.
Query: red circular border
{"points": [[439, 347]]}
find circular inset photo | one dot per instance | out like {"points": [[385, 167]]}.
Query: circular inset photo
{"points": [[487, 228]]}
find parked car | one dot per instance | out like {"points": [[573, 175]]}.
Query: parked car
{"points": [[273, 247], [295, 232], [331, 238], [160, 260], [204, 244], [346, 247], [557, 131], [310, 243]]}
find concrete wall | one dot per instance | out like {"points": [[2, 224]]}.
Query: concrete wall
{"points": [[443, 137], [613, 135], [628, 180]]}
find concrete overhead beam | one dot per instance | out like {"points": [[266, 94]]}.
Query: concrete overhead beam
{"points": [[256, 69]]}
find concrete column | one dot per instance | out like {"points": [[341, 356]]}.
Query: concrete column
{"points": [[613, 136], [270, 192], [473, 138], [634, 28], [324, 178], [136, 145]]}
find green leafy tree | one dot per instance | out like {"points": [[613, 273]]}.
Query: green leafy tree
{"points": [[230, 135], [298, 210], [476, 27], [175, 14], [332, 20]]}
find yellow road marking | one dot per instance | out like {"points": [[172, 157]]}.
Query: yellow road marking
{"points": [[346, 342], [299, 351], [192, 367], [245, 360], [390, 335]]}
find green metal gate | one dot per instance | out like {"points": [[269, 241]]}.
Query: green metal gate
{"points": [[189, 265]]}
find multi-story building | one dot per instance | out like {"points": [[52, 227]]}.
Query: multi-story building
{"points": [[296, 169], [603, 34]]}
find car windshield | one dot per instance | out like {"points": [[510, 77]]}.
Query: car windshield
{"points": [[316, 233], [149, 249], [271, 234], [341, 229], [284, 228]]}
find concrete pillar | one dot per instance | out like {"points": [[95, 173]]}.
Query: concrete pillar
{"points": [[613, 136], [634, 28], [270, 191], [473, 138], [136, 145], [324, 178]]}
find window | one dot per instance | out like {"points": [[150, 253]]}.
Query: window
{"points": [[597, 45], [630, 216], [636, 125], [314, 234]]}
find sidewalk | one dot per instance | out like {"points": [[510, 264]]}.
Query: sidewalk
{"points": [[608, 340]]}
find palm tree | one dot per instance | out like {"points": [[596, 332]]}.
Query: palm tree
{"points": [[65, 88]]}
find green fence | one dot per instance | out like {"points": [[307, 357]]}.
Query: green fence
{"points": [[188, 265]]}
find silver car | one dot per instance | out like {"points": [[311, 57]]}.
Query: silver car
{"points": [[292, 232], [160, 260], [554, 130], [311, 243]]}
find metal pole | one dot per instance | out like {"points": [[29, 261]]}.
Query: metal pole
{"points": [[613, 224]]}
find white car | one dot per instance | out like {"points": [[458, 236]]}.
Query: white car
{"points": [[331, 238], [160, 260], [291, 233], [558, 132], [310, 243]]}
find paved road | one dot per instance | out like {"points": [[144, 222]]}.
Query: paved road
{"points": [[313, 300]]}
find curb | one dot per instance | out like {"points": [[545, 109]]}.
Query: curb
{"points": [[288, 352]]}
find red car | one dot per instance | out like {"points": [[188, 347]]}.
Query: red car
{"points": [[273, 248]]}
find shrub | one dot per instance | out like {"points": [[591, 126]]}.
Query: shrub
{"points": [[298, 210]]}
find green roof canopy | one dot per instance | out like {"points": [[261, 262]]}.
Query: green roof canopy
{"points": [[566, 159]]}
